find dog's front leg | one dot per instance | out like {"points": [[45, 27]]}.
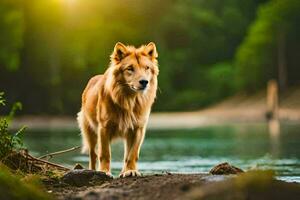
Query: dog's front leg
{"points": [[104, 150], [133, 142]]}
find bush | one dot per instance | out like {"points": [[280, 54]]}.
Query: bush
{"points": [[9, 142], [15, 185]]}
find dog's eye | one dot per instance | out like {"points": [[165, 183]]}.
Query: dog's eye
{"points": [[130, 68], [147, 67]]}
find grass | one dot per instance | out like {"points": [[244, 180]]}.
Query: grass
{"points": [[15, 184]]}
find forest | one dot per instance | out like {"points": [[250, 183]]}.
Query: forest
{"points": [[208, 49], [225, 123]]}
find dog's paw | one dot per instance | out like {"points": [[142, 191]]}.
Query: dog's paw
{"points": [[107, 173], [130, 173]]}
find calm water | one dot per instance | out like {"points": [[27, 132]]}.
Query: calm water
{"points": [[191, 151]]}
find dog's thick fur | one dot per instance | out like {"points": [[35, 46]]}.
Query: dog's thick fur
{"points": [[118, 104]]}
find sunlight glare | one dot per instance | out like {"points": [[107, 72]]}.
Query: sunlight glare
{"points": [[69, 2]]}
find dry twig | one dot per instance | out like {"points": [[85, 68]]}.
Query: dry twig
{"points": [[50, 155]]}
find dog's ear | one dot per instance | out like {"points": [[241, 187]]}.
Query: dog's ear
{"points": [[150, 50], [120, 52]]}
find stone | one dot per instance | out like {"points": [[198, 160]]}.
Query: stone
{"points": [[225, 169], [78, 166], [84, 177]]}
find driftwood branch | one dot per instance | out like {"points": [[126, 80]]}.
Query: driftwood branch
{"points": [[22, 160], [28, 156], [50, 155]]}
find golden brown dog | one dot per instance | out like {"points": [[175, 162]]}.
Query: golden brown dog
{"points": [[118, 104]]}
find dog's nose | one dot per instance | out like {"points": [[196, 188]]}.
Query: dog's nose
{"points": [[143, 83]]}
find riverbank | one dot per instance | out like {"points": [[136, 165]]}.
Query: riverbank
{"points": [[51, 181], [237, 109], [167, 186]]}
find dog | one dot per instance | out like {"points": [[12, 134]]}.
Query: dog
{"points": [[118, 104]]}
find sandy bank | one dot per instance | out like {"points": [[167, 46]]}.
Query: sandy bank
{"points": [[239, 109]]}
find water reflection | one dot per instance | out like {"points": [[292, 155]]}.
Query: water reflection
{"points": [[193, 150], [274, 132]]}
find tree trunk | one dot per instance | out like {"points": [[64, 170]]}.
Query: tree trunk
{"points": [[282, 68]]}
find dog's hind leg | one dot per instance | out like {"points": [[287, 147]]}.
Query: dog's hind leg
{"points": [[89, 139]]}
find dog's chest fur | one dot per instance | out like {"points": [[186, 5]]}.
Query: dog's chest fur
{"points": [[123, 114]]}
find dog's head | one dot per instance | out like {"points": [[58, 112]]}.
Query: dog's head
{"points": [[135, 69]]}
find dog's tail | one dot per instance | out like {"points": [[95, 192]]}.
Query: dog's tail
{"points": [[85, 145]]}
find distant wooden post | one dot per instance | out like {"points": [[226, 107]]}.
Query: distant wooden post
{"points": [[272, 111], [272, 100]]}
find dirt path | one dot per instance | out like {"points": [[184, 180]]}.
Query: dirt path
{"points": [[180, 186], [147, 187]]}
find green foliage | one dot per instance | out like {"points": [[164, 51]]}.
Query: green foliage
{"points": [[13, 186], [255, 179], [222, 78], [2, 100], [9, 141], [11, 31], [195, 37], [62, 50], [256, 58]]}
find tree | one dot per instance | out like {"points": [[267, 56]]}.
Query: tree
{"points": [[64, 43], [271, 47], [11, 41]]}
